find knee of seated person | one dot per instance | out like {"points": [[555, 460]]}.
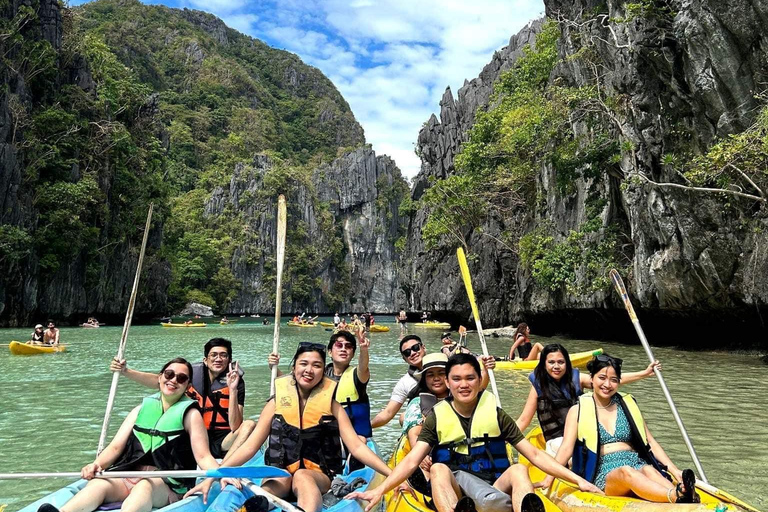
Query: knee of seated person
{"points": [[518, 471], [649, 471], [439, 469]]}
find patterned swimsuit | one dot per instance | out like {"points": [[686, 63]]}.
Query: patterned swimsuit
{"points": [[616, 460]]}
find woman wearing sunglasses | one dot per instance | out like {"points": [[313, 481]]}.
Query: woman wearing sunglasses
{"points": [[555, 388], [165, 432], [612, 446], [303, 423]]}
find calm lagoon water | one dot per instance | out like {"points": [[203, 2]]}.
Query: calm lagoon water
{"points": [[53, 405]]}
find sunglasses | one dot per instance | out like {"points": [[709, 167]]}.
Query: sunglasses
{"points": [[181, 378], [347, 345], [313, 346], [407, 352], [613, 361]]}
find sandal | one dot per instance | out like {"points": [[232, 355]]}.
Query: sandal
{"points": [[689, 482]]}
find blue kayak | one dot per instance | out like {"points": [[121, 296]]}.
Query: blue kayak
{"points": [[231, 499]]}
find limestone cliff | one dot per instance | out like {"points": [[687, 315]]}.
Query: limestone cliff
{"points": [[695, 263]]}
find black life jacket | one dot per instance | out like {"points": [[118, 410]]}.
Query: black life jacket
{"points": [[552, 412]]}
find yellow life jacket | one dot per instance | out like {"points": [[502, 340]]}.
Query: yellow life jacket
{"points": [[358, 408], [586, 452], [484, 453], [309, 440]]}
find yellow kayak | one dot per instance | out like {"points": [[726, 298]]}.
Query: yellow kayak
{"points": [[395, 501], [379, 328], [326, 324], [298, 324], [578, 360], [431, 325], [183, 325], [22, 349], [570, 499]]}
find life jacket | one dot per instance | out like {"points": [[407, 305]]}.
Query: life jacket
{"points": [[484, 453], [524, 349], [213, 399], [586, 452], [309, 440], [158, 438], [552, 412], [357, 406]]}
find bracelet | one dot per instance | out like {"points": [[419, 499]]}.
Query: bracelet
{"points": [[669, 494]]}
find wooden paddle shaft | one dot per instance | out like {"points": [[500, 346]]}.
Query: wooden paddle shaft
{"points": [[124, 336], [621, 289], [281, 228]]}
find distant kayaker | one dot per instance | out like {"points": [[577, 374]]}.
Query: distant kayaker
{"points": [[451, 347], [470, 468], [424, 317], [367, 319], [219, 389], [51, 335], [165, 432], [303, 423], [224, 320], [628, 462], [37, 337], [402, 318], [336, 319], [526, 350], [188, 322], [555, 387]]}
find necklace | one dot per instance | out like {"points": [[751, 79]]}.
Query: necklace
{"points": [[604, 407]]}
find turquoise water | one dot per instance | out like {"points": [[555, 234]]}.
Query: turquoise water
{"points": [[53, 405]]}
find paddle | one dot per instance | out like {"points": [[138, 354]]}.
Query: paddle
{"points": [[281, 228], [124, 336], [235, 472], [274, 500], [476, 313], [618, 283]]}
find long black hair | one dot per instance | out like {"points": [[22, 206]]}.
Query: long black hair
{"points": [[549, 386]]}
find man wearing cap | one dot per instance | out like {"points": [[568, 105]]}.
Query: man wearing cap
{"points": [[219, 389], [37, 336], [451, 347], [467, 436]]}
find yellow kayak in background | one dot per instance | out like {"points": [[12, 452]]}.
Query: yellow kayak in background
{"points": [[379, 328], [183, 325], [395, 501], [326, 324], [569, 498], [22, 349], [297, 324], [431, 325], [578, 360]]}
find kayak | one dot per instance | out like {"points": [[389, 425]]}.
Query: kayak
{"points": [[578, 360], [298, 324], [432, 325], [326, 324], [395, 501], [231, 499], [569, 498], [90, 326], [379, 328], [201, 324], [22, 349]]}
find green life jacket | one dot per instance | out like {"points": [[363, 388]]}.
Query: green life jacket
{"points": [[158, 438]]}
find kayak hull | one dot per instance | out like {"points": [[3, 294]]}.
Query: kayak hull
{"points": [[570, 499], [379, 328], [200, 324], [431, 325], [22, 349], [579, 359], [296, 324]]}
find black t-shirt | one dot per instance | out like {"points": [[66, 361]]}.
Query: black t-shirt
{"points": [[509, 430]]}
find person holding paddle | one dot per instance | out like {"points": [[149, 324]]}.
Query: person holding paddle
{"points": [[165, 432], [555, 387], [303, 423], [219, 390], [466, 436], [612, 446]]}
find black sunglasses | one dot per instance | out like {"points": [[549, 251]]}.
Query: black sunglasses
{"points": [[181, 378], [407, 352], [613, 361], [313, 346]]}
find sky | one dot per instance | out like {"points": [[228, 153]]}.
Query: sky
{"points": [[390, 59]]}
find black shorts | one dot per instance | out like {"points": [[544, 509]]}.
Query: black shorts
{"points": [[215, 438]]}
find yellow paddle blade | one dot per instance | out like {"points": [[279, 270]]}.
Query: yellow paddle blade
{"points": [[467, 280]]}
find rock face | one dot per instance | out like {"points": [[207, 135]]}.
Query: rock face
{"points": [[695, 264], [195, 309], [361, 192], [71, 292]]}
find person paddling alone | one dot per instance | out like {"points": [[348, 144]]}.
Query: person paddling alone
{"points": [[219, 390]]}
